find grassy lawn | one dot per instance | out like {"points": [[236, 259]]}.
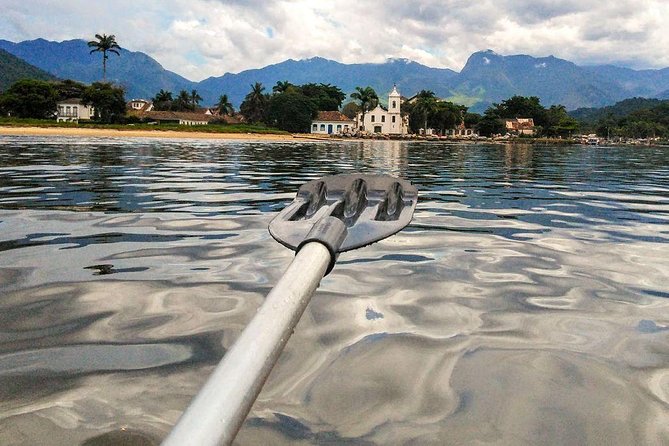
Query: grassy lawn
{"points": [[211, 128]]}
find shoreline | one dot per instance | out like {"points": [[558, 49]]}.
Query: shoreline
{"points": [[167, 134]]}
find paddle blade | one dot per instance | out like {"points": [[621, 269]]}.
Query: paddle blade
{"points": [[372, 207]]}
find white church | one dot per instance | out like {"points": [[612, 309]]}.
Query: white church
{"points": [[386, 122]]}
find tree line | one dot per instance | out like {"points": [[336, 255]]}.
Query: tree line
{"points": [[290, 107], [30, 98]]}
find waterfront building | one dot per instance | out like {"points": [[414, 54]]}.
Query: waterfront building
{"points": [[332, 122]]}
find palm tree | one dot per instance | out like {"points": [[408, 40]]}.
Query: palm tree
{"points": [[104, 44], [195, 99], [255, 104], [282, 87], [163, 100], [224, 106], [368, 100], [182, 101], [426, 105]]}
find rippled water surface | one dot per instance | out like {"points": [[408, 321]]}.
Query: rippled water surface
{"points": [[527, 303]]}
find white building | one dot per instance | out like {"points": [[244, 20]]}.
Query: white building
{"points": [[141, 105], [332, 122], [387, 122], [72, 110]]}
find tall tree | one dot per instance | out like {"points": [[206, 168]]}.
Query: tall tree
{"points": [[367, 98], [224, 106], [107, 100], [104, 44], [195, 99], [282, 87], [325, 97], [254, 107], [422, 109], [163, 100], [291, 111], [183, 101], [29, 98]]}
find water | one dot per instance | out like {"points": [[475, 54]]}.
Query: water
{"points": [[527, 303]]}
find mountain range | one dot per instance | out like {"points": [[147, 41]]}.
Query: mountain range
{"points": [[486, 78]]}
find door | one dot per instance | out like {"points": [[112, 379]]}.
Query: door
{"points": [[329, 129]]}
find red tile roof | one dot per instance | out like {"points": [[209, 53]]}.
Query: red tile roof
{"points": [[332, 116]]}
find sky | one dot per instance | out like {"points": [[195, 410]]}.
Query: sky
{"points": [[202, 38]]}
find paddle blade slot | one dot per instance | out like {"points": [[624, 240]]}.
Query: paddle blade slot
{"points": [[312, 202], [392, 205], [352, 204]]}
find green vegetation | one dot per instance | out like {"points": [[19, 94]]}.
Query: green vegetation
{"points": [[30, 99], [164, 101], [631, 118], [104, 44], [224, 106], [108, 102], [368, 100], [551, 122], [291, 111], [290, 107]]}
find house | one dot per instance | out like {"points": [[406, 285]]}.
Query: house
{"points": [[139, 105], [386, 122], [72, 110], [332, 122], [519, 126]]}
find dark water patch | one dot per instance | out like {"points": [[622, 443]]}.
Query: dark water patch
{"points": [[410, 258], [103, 270], [42, 239]]}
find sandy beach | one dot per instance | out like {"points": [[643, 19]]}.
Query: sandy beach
{"points": [[93, 132]]}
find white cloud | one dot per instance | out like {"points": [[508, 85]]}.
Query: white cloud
{"points": [[201, 38]]}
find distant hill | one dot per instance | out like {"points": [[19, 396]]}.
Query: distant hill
{"points": [[489, 77], [410, 76], [486, 78], [13, 69], [141, 75], [619, 110]]}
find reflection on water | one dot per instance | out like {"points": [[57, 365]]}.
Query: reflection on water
{"points": [[525, 304]]}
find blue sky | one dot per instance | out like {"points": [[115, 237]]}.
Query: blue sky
{"points": [[202, 38]]}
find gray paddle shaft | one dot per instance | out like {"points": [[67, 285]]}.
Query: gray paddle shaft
{"points": [[219, 409], [328, 216]]}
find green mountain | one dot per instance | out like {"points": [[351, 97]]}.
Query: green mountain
{"points": [[139, 74], [619, 110], [13, 69]]}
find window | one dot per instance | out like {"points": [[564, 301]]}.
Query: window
{"points": [[68, 110], [393, 119], [75, 111], [383, 118], [339, 127], [314, 127], [372, 118], [394, 105], [322, 127]]}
